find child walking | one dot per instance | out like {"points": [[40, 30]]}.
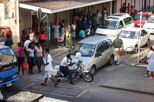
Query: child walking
{"points": [[20, 57], [48, 68]]}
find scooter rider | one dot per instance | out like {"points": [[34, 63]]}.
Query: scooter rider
{"points": [[67, 61]]}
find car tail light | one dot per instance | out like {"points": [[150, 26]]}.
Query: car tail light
{"points": [[15, 75]]}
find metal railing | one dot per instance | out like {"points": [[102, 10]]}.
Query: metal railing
{"points": [[136, 56]]}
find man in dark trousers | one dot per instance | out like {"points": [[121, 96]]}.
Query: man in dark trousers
{"points": [[118, 45], [8, 41]]}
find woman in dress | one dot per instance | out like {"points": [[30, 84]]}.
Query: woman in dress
{"points": [[56, 28], [39, 56], [74, 30], [150, 59]]}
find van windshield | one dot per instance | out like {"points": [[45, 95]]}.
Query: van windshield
{"points": [[109, 24], [7, 56], [84, 49]]}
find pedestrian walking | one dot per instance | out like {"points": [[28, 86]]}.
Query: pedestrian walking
{"points": [[23, 36], [56, 29], [118, 45], [150, 59], [128, 8], [39, 56], [20, 57], [8, 41], [48, 68], [67, 34], [30, 56], [105, 13]]}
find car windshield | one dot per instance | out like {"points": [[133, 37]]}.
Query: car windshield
{"points": [[7, 56], [84, 49], [151, 20], [109, 24], [129, 34], [137, 16]]}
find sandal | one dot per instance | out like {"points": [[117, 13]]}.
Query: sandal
{"points": [[145, 75], [151, 77], [43, 84], [56, 84]]}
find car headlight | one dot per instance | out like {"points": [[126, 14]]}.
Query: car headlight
{"points": [[15, 75], [1, 80], [86, 65]]}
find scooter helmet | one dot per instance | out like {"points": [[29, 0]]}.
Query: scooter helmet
{"points": [[78, 55]]}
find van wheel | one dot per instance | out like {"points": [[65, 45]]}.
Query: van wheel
{"points": [[93, 70], [111, 61], [148, 42]]}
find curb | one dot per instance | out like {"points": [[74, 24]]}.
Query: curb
{"points": [[60, 54], [131, 90]]}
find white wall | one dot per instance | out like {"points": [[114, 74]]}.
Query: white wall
{"points": [[3, 21]]}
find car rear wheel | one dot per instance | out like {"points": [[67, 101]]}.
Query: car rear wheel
{"points": [[148, 42], [93, 70], [111, 61]]}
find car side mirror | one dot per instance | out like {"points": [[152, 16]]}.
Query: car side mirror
{"points": [[120, 26], [98, 54]]}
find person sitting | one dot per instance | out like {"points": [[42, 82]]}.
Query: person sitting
{"points": [[67, 61], [82, 34]]}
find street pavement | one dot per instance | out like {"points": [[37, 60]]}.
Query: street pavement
{"points": [[117, 83]]}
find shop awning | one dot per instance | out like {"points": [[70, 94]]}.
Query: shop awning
{"points": [[59, 5]]}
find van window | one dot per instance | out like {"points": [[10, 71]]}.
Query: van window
{"points": [[128, 20]]}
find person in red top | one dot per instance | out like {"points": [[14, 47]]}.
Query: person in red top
{"points": [[132, 11], [42, 36], [122, 10]]}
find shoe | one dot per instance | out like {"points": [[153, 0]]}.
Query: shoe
{"points": [[43, 84], [72, 83]]}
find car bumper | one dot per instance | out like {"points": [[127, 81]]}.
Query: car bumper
{"points": [[9, 83], [129, 49]]}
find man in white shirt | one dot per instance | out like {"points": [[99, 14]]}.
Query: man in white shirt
{"points": [[26, 44], [67, 61], [48, 68]]}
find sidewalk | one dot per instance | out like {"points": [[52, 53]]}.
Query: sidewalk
{"points": [[127, 78]]}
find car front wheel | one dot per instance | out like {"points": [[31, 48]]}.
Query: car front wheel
{"points": [[93, 70]]}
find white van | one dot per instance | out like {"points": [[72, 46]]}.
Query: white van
{"points": [[113, 24]]}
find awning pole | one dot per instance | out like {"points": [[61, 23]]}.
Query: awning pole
{"points": [[102, 12], [48, 30], [71, 29]]}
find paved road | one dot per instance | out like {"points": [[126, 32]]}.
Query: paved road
{"points": [[92, 92]]}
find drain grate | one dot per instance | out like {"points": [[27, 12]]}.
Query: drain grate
{"points": [[61, 90]]}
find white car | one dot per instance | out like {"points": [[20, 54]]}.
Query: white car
{"points": [[130, 38], [96, 51], [149, 25], [113, 24]]}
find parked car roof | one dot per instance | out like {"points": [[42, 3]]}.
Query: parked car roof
{"points": [[94, 39], [118, 16]]}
